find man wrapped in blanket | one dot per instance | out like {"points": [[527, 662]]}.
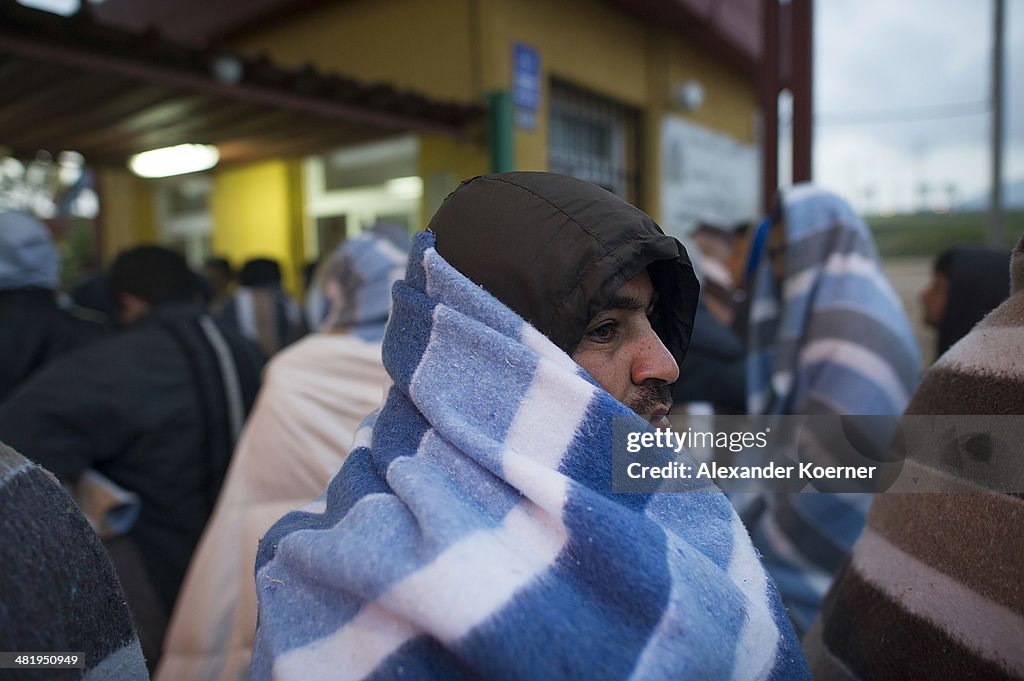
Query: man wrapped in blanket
{"points": [[827, 337], [472, 533]]}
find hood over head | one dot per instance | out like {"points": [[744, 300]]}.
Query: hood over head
{"points": [[27, 255], [555, 249]]}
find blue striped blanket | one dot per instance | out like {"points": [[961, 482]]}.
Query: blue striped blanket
{"points": [[472, 532], [352, 290], [830, 338]]}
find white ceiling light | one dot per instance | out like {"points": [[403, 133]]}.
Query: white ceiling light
{"points": [[410, 187], [184, 158], [65, 8]]}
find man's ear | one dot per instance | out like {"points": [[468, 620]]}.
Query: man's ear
{"points": [[132, 309]]}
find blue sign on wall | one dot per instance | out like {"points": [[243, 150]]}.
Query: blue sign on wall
{"points": [[525, 84]]}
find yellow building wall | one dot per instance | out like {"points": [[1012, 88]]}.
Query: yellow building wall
{"points": [[584, 42], [411, 44], [129, 212], [462, 49], [443, 163], [254, 215], [730, 101], [607, 51]]}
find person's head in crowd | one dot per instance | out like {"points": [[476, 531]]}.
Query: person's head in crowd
{"points": [[715, 237], [594, 274], [357, 284], [379, 254], [260, 308], [967, 282], [819, 291], [220, 275], [28, 258], [260, 273], [145, 277]]}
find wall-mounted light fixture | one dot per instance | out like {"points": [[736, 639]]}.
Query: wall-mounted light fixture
{"points": [[177, 160], [688, 95]]}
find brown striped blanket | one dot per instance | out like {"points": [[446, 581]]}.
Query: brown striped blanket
{"points": [[934, 588]]}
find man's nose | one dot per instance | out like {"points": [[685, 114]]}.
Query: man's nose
{"points": [[653, 361]]}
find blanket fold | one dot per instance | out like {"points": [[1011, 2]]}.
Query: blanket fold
{"points": [[472, 532]]}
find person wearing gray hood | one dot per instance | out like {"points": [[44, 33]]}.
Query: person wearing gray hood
{"points": [[33, 329]]}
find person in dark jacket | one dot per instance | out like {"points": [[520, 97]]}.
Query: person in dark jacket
{"points": [[155, 408], [33, 329], [967, 283]]}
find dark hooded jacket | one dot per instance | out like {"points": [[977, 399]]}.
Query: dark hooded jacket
{"points": [[979, 280], [555, 249]]}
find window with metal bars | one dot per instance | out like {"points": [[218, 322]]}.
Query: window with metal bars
{"points": [[595, 139]]}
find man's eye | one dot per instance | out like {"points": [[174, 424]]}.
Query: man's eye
{"points": [[603, 332]]}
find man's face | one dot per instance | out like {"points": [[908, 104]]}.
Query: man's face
{"points": [[624, 354]]}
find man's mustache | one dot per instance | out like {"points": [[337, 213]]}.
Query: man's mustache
{"points": [[649, 397]]}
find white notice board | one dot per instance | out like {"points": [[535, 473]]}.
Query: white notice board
{"points": [[705, 173]]}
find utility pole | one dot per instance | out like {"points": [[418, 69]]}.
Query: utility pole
{"points": [[786, 64], [769, 96], [801, 78], [995, 220]]}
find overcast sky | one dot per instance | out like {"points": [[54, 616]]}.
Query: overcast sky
{"points": [[901, 98]]}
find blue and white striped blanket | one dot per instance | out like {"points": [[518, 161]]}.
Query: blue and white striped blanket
{"points": [[830, 338], [472, 532]]}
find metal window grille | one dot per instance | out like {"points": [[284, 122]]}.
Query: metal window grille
{"points": [[594, 138]]}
